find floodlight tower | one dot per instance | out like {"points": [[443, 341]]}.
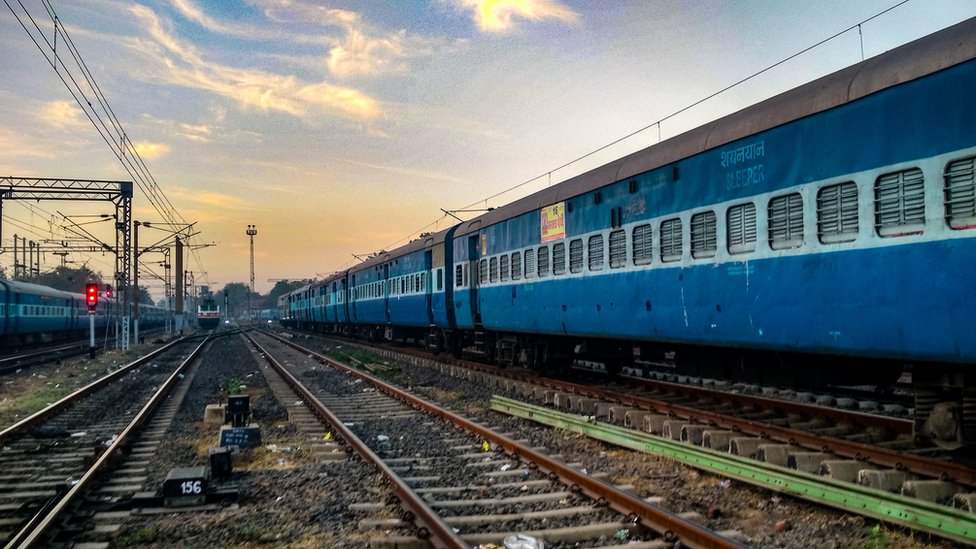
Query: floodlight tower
{"points": [[251, 231]]}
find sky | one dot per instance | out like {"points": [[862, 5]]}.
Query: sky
{"points": [[340, 128]]}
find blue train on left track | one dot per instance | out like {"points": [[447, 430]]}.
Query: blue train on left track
{"points": [[825, 235], [30, 313]]}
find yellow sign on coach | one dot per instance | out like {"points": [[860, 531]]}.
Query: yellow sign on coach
{"points": [[553, 221]]}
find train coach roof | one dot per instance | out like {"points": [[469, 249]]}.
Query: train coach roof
{"points": [[418, 244], [36, 289], [916, 59]]}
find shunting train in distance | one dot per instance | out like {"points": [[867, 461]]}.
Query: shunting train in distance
{"points": [[826, 235]]}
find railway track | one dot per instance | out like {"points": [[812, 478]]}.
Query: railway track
{"points": [[464, 484], [51, 458], [41, 354], [838, 446]]}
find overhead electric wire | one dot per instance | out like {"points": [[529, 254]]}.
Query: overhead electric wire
{"points": [[690, 106], [126, 151]]}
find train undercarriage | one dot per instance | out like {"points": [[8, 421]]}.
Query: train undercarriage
{"points": [[944, 394]]}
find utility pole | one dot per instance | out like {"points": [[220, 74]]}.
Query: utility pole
{"points": [[251, 231]]}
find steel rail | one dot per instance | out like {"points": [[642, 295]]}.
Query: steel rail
{"points": [[430, 523], [887, 423], [56, 407], [669, 525], [916, 514], [33, 533], [902, 461]]}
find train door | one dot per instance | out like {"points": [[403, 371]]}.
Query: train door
{"points": [[386, 291], [450, 278], [354, 314], [473, 257], [5, 309], [428, 283]]}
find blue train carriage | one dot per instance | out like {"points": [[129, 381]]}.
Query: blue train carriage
{"points": [[337, 310], [411, 286], [317, 305], [834, 224], [368, 296], [284, 309], [301, 308], [30, 313]]}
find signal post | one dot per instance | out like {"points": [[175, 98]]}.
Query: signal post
{"points": [[91, 298]]}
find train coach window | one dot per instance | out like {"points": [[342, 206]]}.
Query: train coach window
{"points": [[458, 280], [960, 193], [671, 245], [741, 220], [542, 258], [576, 256], [786, 221], [559, 258], [493, 270], [440, 280], [899, 203], [516, 265], [643, 244], [837, 213], [595, 245], [529, 256], [503, 268], [704, 242], [618, 249], [483, 271]]}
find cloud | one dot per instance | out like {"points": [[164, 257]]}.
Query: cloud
{"points": [[195, 132], [16, 146], [499, 16], [150, 151], [185, 66], [64, 115], [353, 48], [208, 200]]}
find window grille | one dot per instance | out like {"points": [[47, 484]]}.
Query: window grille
{"points": [[704, 239], [542, 257], [837, 213], [559, 258], [960, 193], [483, 271], [493, 269], [576, 256], [671, 248], [742, 228], [786, 222], [618, 249], [595, 246], [503, 268], [529, 263], [516, 265], [899, 203], [643, 244]]}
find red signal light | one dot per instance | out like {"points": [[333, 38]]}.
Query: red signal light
{"points": [[108, 291], [91, 295]]}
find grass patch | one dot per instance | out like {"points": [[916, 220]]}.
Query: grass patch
{"points": [[35, 399], [142, 536]]}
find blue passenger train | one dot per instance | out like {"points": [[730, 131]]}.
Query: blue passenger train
{"points": [[30, 313], [825, 235]]}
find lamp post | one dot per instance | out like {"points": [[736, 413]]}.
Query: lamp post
{"points": [[251, 231]]}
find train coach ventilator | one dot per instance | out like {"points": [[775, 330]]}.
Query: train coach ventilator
{"points": [[909, 512]]}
